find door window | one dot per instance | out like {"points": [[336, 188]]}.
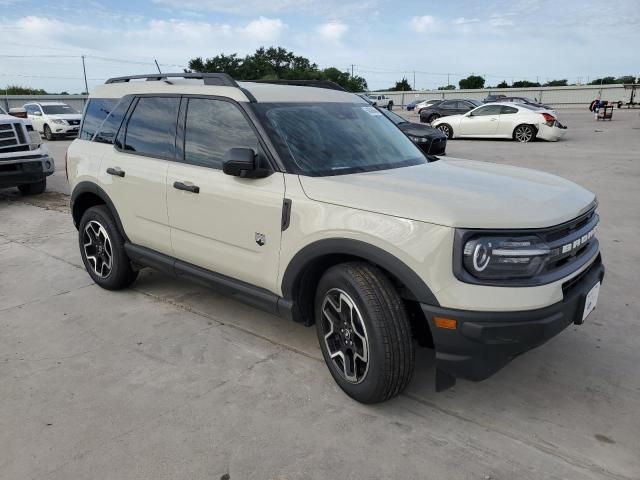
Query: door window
{"points": [[111, 124], [508, 110], [151, 127], [96, 111], [212, 127], [488, 110], [448, 105]]}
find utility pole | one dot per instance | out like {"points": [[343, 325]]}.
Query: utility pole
{"points": [[448, 82], [414, 80], [157, 66], [352, 65], [84, 70]]}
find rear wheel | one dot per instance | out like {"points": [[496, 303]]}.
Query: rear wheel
{"points": [[102, 250], [33, 188], [524, 133], [446, 129], [364, 332]]}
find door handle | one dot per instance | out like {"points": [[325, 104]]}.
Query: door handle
{"points": [[115, 171], [187, 187]]}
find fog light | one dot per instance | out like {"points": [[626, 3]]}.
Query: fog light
{"points": [[446, 323], [47, 164]]}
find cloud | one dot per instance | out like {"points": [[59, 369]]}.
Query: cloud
{"points": [[465, 21], [333, 31], [422, 24], [335, 8], [264, 29], [501, 20]]}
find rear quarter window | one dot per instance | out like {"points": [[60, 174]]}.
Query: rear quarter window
{"points": [[95, 112]]}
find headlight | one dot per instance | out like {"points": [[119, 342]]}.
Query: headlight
{"points": [[418, 139], [59, 121], [504, 257]]}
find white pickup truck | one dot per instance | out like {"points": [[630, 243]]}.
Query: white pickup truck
{"points": [[24, 160], [378, 100]]}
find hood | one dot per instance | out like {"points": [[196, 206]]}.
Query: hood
{"points": [[418, 130], [458, 193], [66, 116]]}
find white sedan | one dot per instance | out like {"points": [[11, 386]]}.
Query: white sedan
{"points": [[520, 122]]}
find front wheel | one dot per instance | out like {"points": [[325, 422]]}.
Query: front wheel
{"points": [[102, 250], [524, 134], [446, 129], [364, 332], [48, 134], [33, 188]]}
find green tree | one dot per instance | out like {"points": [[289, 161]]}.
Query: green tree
{"points": [[556, 83], [275, 63], [472, 81], [503, 84], [603, 81], [19, 90], [447, 87], [401, 86], [626, 79], [525, 84]]}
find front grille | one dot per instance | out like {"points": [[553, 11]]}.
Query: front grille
{"points": [[12, 135]]}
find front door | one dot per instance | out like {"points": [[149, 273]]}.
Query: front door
{"points": [[225, 224], [481, 121]]}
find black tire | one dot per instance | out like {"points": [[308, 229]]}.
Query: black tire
{"points": [[48, 134], [33, 188], [446, 129], [524, 133], [390, 106], [120, 274], [433, 117], [383, 323]]}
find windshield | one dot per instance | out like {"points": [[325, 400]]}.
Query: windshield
{"points": [[57, 109], [321, 139]]}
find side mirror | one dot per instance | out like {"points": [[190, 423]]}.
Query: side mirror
{"points": [[242, 162], [37, 113]]}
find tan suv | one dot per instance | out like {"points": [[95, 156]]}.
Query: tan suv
{"points": [[309, 203]]}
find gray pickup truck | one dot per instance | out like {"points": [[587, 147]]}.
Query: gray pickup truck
{"points": [[24, 160]]}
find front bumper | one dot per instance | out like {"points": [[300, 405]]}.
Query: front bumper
{"points": [[60, 129], [435, 146], [24, 170], [484, 342]]}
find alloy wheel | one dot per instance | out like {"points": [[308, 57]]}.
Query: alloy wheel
{"points": [[444, 129], [523, 134], [345, 335], [97, 248]]}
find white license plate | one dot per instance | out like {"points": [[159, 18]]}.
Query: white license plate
{"points": [[591, 300]]}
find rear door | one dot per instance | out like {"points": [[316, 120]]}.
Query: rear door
{"points": [[448, 107], [225, 224], [134, 172], [34, 113]]}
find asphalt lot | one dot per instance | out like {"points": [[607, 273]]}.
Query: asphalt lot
{"points": [[169, 380]]}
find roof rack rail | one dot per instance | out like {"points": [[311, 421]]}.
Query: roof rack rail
{"points": [[219, 79], [328, 84]]}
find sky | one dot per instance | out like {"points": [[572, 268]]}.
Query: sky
{"points": [[41, 42]]}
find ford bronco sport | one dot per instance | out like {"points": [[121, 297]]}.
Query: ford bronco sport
{"points": [[309, 203]]}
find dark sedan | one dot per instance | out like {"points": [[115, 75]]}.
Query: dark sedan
{"points": [[526, 101], [446, 108], [428, 139]]}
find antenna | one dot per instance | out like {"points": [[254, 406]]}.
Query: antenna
{"points": [[157, 66]]}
